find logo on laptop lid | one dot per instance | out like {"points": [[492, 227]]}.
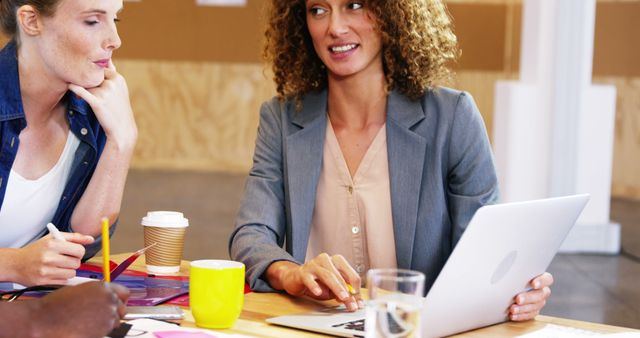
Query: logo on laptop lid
{"points": [[504, 267]]}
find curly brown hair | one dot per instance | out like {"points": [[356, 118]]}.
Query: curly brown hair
{"points": [[418, 45]]}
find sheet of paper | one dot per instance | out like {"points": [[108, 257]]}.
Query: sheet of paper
{"points": [[149, 328], [79, 280], [71, 281], [182, 334], [622, 335], [558, 331]]}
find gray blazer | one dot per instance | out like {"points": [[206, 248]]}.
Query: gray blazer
{"points": [[440, 169]]}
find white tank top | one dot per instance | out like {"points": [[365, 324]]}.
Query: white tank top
{"points": [[30, 204]]}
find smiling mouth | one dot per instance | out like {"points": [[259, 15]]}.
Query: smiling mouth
{"points": [[343, 48]]}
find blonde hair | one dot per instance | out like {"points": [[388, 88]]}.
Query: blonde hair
{"points": [[8, 9], [418, 46]]}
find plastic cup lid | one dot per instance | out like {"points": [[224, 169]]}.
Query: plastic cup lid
{"points": [[165, 219]]}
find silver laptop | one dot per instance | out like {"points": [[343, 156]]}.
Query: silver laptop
{"points": [[502, 249]]}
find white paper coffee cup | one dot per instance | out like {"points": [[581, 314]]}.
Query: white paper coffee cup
{"points": [[167, 230]]}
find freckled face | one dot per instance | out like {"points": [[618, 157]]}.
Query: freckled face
{"points": [[77, 42], [344, 36]]}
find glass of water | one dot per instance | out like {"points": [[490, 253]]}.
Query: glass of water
{"points": [[395, 301]]}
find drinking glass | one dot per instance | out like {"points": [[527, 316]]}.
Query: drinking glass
{"points": [[395, 302]]}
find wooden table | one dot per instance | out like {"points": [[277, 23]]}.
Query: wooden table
{"points": [[259, 306]]}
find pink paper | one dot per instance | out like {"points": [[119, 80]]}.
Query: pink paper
{"points": [[182, 334]]}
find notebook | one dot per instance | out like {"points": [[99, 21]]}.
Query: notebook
{"points": [[144, 290]]}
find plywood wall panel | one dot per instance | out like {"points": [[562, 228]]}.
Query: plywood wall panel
{"points": [[193, 115], [203, 116], [616, 48], [486, 36], [178, 30], [626, 155], [482, 85]]}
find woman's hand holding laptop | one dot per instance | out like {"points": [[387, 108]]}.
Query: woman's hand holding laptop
{"points": [[328, 277], [324, 277], [527, 305]]}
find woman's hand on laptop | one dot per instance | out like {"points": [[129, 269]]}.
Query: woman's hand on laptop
{"points": [[324, 277], [527, 305]]}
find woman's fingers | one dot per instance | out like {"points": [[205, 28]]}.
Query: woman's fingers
{"points": [[310, 284], [68, 249], [324, 277], [545, 279], [333, 282], [112, 66], [351, 277], [84, 94], [523, 316], [528, 304], [51, 275], [110, 72], [533, 296], [62, 275], [520, 309], [329, 275], [60, 261], [53, 261], [78, 238]]}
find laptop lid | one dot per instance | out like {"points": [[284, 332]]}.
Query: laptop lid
{"points": [[502, 249]]}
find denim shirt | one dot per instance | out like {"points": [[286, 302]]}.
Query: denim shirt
{"points": [[82, 122]]}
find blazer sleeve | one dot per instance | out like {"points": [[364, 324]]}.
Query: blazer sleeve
{"points": [[471, 176], [259, 232]]}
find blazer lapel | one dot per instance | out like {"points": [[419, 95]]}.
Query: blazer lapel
{"points": [[406, 154], [304, 162]]}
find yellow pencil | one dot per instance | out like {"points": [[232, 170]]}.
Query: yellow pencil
{"points": [[106, 271], [351, 290]]}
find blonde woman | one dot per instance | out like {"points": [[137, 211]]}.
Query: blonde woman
{"points": [[67, 133]]}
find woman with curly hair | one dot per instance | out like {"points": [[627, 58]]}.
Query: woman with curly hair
{"points": [[362, 161]]}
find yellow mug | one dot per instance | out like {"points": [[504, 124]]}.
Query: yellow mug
{"points": [[216, 292]]}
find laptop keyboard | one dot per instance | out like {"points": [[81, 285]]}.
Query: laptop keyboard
{"points": [[358, 325]]}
